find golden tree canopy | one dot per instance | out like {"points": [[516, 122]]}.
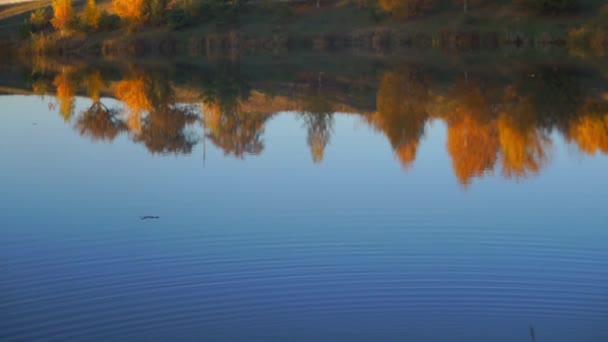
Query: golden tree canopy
{"points": [[92, 14], [66, 92], [132, 10], [62, 14]]}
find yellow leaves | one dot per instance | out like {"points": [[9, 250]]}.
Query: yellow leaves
{"points": [[212, 116], [473, 147], [132, 93], [590, 132], [524, 148], [132, 10], [94, 84], [66, 91], [91, 14], [62, 14], [406, 153], [472, 135], [317, 148]]}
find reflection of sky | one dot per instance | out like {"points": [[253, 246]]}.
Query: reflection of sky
{"points": [[357, 210]]}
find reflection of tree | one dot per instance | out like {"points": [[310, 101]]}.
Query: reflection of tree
{"points": [[66, 92], [94, 83], [100, 123], [506, 117], [228, 126], [132, 93], [402, 114], [523, 144], [162, 127], [236, 132], [472, 134], [590, 129], [555, 94], [318, 119]]}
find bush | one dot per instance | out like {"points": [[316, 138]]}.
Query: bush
{"points": [[26, 29], [156, 12], [179, 18], [550, 6], [108, 22], [39, 18]]}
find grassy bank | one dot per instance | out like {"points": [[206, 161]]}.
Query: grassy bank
{"points": [[336, 25]]}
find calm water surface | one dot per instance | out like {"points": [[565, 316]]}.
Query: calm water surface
{"points": [[413, 207]]}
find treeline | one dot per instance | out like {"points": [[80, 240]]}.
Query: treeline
{"points": [[493, 123], [179, 14], [130, 14]]}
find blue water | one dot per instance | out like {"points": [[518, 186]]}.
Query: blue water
{"points": [[274, 247]]}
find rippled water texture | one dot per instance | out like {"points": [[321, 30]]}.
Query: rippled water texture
{"points": [[331, 226]]}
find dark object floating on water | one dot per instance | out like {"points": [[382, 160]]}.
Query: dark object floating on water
{"points": [[149, 217], [532, 333]]}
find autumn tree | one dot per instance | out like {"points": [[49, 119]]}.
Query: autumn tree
{"points": [[133, 11], [525, 147], [66, 92], [62, 14], [406, 8], [228, 124], [91, 14], [133, 93], [402, 112], [317, 113], [163, 128], [100, 123], [234, 131], [589, 130], [472, 133]]}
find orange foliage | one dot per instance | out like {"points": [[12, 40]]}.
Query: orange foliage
{"points": [[406, 153], [132, 10], [132, 93], [524, 147], [590, 130], [62, 14], [472, 134], [473, 147], [66, 91], [94, 84], [92, 14]]}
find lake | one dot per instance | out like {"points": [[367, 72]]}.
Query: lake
{"points": [[332, 198]]}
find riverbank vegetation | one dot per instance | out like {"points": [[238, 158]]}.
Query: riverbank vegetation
{"points": [[500, 116], [130, 26]]}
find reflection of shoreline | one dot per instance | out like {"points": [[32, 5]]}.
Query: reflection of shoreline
{"points": [[492, 127]]}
